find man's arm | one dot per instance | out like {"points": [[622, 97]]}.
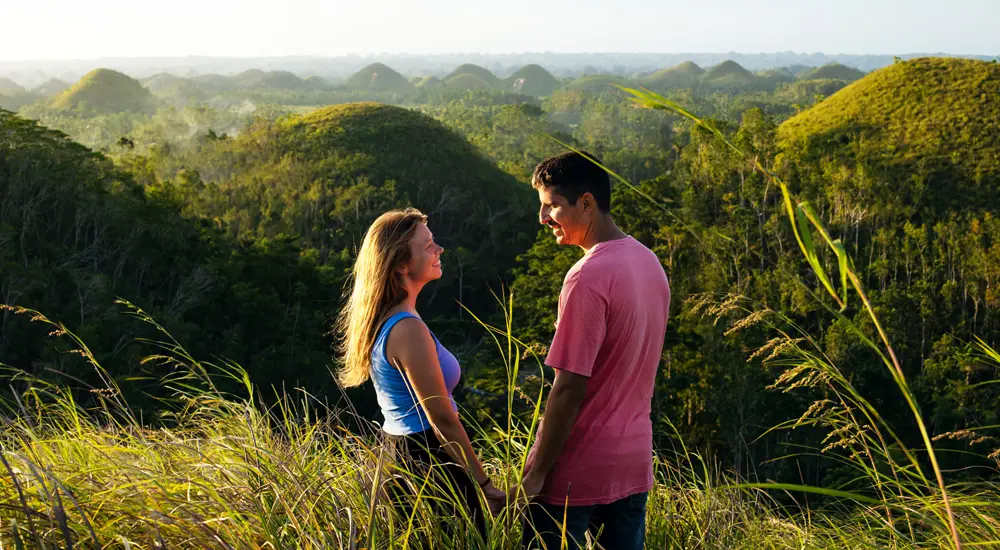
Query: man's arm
{"points": [[565, 398]]}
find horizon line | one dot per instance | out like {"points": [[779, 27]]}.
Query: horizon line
{"points": [[495, 54]]}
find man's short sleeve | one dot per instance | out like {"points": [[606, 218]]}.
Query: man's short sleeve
{"points": [[580, 329]]}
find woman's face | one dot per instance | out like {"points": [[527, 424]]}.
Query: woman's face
{"points": [[425, 256]]}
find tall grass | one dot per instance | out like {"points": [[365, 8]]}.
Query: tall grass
{"points": [[220, 470], [225, 469]]}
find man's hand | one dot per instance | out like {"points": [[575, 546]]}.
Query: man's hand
{"points": [[496, 498], [530, 487]]}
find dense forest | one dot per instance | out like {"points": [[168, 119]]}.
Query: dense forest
{"points": [[229, 208]]}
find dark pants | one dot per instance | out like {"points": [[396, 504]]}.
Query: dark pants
{"points": [[619, 525], [453, 495]]}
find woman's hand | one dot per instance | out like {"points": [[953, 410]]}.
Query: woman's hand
{"points": [[496, 498]]}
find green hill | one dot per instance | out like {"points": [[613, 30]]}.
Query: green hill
{"points": [[214, 83], [834, 71], [777, 76], [805, 91], [88, 232], [51, 87], [106, 91], [917, 135], [172, 88], [427, 82], [532, 80], [598, 83], [467, 81], [269, 80], [483, 73], [685, 75], [378, 77], [327, 174], [159, 81], [13, 100], [13, 96], [728, 74], [316, 83], [8, 85]]}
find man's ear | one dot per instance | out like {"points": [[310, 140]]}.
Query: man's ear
{"points": [[587, 202]]}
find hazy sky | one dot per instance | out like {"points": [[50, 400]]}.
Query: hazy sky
{"points": [[62, 29]]}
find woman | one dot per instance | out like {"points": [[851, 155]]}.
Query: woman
{"points": [[384, 339]]}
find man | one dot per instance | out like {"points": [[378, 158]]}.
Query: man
{"points": [[593, 456]]}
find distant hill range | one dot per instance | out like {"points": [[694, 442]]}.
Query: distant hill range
{"points": [[30, 74]]}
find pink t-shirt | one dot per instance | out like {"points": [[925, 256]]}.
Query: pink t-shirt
{"points": [[613, 312]]}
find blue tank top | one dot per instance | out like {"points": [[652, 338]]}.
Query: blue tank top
{"points": [[396, 398]]}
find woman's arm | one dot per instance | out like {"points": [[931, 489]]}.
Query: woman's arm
{"points": [[411, 348]]}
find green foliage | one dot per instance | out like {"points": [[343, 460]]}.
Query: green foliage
{"points": [[80, 232], [324, 176], [899, 167]]}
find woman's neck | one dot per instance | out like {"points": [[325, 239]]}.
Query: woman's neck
{"points": [[410, 302]]}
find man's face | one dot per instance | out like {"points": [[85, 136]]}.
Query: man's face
{"points": [[569, 223]]}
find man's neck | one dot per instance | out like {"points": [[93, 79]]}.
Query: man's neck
{"points": [[603, 230]]}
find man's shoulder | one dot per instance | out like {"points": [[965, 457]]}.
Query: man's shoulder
{"points": [[628, 253]]}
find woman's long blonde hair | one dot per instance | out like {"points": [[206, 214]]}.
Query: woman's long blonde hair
{"points": [[377, 288]]}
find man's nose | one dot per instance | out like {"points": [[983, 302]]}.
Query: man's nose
{"points": [[543, 216]]}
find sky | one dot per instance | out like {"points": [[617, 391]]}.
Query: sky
{"points": [[71, 29]]}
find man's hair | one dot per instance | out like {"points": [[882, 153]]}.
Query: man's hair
{"points": [[573, 174]]}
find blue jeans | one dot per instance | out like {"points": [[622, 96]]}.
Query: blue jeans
{"points": [[619, 525]]}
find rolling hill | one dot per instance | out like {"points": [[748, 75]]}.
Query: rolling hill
{"points": [[917, 135], [327, 174], [378, 76], [106, 91], [214, 83], [685, 75], [8, 85], [427, 82], [728, 74], [467, 81], [270, 80], [834, 71], [173, 89], [532, 80], [481, 72], [598, 84], [51, 87]]}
